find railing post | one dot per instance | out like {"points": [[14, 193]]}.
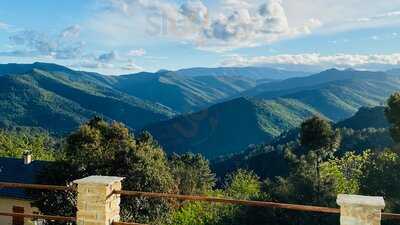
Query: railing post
{"points": [[96, 203], [360, 210]]}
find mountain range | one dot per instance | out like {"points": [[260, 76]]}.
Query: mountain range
{"points": [[261, 116], [58, 99], [212, 111]]}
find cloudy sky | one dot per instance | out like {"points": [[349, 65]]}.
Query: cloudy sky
{"points": [[126, 36]]}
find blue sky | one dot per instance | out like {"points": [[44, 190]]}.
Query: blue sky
{"points": [[127, 36]]}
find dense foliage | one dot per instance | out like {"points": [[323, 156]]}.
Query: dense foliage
{"points": [[366, 117], [192, 173], [101, 148], [18, 142], [314, 176]]}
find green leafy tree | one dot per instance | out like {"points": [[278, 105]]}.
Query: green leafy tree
{"points": [[301, 186], [347, 171], [197, 213], [100, 148], [192, 173], [242, 184], [381, 178], [15, 143], [239, 185]]}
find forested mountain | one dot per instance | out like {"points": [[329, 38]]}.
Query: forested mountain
{"points": [[229, 126], [184, 93], [367, 129], [300, 83], [336, 94], [57, 102], [197, 109], [365, 118], [57, 98], [193, 89], [333, 94]]}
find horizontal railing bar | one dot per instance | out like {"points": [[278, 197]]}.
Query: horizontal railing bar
{"points": [[295, 207], [36, 216], [125, 223], [391, 216], [33, 186]]}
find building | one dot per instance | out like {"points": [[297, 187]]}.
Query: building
{"points": [[14, 170]]}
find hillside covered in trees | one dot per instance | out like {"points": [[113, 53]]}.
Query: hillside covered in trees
{"points": [[275, 108], [58, 99], [308, 165], [212, 111]]}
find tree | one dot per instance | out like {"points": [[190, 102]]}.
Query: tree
{"points": [[347, 171], [101, 148], [381, 178], [317, 135], [392, 113], [192, 173], [16, 143], [301, 186], [241, 184]]}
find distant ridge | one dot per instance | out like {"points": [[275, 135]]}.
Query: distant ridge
{"points": [[333, 94], [255, 72], [15, 68], [57, 98]]}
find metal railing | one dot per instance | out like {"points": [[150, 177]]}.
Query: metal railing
{"points": [[295, 207]]}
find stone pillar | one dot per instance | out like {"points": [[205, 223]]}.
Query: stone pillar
{"points": [[96, 204], [360, 210]]}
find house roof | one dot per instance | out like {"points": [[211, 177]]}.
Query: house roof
{"points": [[14, 170]]}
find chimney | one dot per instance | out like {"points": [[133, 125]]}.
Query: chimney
{"points": [[27, 158]]}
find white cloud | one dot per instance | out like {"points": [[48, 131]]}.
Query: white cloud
{"points": [[229, 25], [316, 61], [137, 52], [196, 11], [237, 4], [383, 16], [65, 47], [109, 68], [4, 26], [71, 32], [34, 43]]}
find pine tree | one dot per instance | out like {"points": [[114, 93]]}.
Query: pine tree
{"points": [[318, 137]]}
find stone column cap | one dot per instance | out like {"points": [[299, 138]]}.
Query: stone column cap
{"points": [[99, 180], [359, 200]]}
